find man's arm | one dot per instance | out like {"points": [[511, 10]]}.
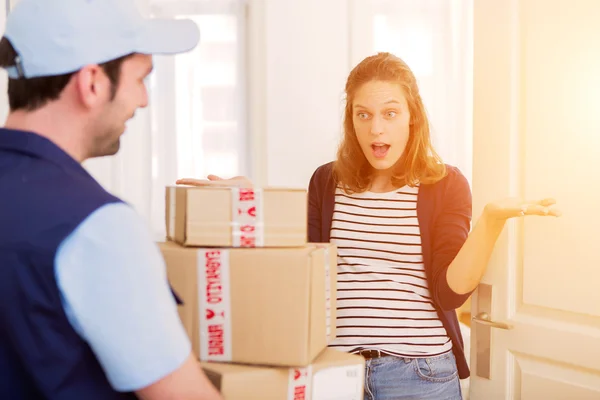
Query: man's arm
{"points": [[112, 278], [187, 382]]}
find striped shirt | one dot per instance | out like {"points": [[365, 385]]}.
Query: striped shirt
{"points": [[383, 298]]}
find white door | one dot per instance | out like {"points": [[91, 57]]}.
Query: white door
{"points": [[537, 134]]}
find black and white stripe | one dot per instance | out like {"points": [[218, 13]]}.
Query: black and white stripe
{"points": [[383, 300]]}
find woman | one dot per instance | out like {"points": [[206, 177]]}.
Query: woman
{"points": [[400, 219]]}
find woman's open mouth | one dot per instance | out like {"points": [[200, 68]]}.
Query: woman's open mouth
{"points": [[380, 150]]}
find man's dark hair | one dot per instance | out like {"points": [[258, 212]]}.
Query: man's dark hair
{"points": [[30, 94]]}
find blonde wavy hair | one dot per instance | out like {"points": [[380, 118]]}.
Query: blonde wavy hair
{"points": [[419, 163]]}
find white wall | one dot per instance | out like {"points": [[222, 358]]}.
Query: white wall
{"points": [[300, 55], [298, 59], [298, 65]]}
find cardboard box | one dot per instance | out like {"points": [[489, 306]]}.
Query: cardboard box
{"points": [[331, 256], [236, 217], [263, 306], [332, 376]]}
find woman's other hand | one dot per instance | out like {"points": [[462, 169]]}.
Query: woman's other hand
{"points": [[213, 180], [513, 208]]}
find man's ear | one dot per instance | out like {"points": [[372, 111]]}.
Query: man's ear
{"points": [[91, 85]]}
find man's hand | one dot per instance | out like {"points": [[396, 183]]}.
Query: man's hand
{"points": [[213, 180], [186, 383]]}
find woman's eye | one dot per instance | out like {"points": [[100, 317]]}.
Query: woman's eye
{"points": [[392, 114], [363, 115]]}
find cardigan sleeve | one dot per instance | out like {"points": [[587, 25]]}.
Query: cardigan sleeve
{"points": [[450, 231], [314, 208]]}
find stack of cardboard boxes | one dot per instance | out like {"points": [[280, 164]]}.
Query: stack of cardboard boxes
{"points": [[258, 300]]}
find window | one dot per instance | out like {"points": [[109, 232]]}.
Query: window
{"points": [[207, 91], [198, 99]]}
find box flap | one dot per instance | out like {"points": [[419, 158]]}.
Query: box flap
{"points": [[237, 382], [331, 358]]}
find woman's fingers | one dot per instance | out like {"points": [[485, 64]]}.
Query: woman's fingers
{"points": [[191, 182], [539, 209], [545, 202]]}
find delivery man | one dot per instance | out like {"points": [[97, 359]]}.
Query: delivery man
{"points": [[86, 311]]}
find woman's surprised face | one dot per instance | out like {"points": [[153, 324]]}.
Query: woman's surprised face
{"points": [[382, 122]]}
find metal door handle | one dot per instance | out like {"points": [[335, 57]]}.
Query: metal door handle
{"points": [[484, 319]]}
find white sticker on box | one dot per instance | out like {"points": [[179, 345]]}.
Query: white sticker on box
{"points": [[327, 294], [299, 383], [214, 305], [247, 217], [172, 194], [339, 383]]}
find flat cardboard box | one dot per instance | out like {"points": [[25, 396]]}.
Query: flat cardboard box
{"points": [[334, 375], [277, 308], [234, 217]]}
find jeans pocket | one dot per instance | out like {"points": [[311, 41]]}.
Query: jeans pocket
{"points": [[436, 369]]}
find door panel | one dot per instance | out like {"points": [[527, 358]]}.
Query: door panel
{"points": [[537, 134]]}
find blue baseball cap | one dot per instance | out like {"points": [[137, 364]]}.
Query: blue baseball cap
{"points": [[56, 37]]}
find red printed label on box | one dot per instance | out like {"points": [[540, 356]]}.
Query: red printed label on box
{"points": [[299, 383], [247, 218], [214, 305]]}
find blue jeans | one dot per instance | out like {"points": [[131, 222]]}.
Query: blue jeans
{"points": [[397, 378]]}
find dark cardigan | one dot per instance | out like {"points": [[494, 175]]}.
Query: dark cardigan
{"points": [[444, 214]]}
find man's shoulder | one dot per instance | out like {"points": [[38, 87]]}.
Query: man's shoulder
{"points": [[47, 198], [30, 174], [112, 225], [64, 194]]}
